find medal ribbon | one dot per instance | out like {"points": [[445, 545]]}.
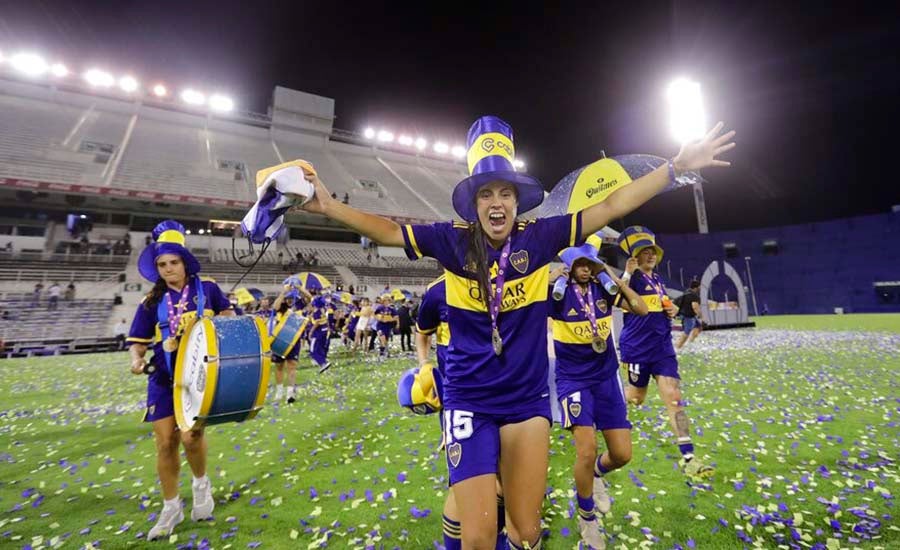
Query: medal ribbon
{"points": [[497, 298], [175, 320], [589, 308]]}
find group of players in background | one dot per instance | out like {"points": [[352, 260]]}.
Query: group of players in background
{"points": [[490, 312]]}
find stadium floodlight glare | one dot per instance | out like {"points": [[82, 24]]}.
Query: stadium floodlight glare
{"points": [[687, 119], [59, 70], [369, 133], [519, 164], [160, 91], [128, 84], [29, 64], [101, 79], [405, 140], [458, 151], [421, 144], [201, 231], [187, 231], [385, 136], [441, 147], [193, 97], [221, 103]]}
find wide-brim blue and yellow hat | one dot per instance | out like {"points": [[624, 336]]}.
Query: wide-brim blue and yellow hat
{"points": [[586, 251], [168, 238], [636, 238], [420, 390], [491, 157]]}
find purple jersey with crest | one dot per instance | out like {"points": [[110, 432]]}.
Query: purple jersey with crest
{"points": [[477, 379], [649, 337], [432, 319], [577, 364]]}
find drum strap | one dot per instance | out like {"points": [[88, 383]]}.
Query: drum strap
{"points": [[162, 314]]}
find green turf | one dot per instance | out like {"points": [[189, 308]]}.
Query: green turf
{"points": [[885, 322], [787, 417]]}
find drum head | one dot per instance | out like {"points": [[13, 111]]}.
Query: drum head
{"points": [[191, 370]]}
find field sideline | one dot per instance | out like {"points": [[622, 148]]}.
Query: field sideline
{"points": [[801, 416]]}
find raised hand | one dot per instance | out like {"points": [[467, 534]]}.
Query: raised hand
{"points": [[700, 154]]}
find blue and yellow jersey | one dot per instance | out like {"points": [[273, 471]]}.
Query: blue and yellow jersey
{"points": [[649, 337], [332, 320], [145, 325], [318, 321], [576, 360], [432, 319], [352, 313], [477, 379], [386, 314]]}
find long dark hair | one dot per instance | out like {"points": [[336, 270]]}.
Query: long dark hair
{"points": [[156, 293], [477, 262]]}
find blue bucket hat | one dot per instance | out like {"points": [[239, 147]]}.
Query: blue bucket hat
{"points": [[168, 238], [491, 157], [574, 253], [636, 238]]}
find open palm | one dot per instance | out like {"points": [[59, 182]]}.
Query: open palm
{"points": [[700, 154]]}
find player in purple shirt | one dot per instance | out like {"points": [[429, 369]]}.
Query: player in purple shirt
{"points": [[646, 344], [159, 322], [497, 412], [587, 380], [388, 322]]}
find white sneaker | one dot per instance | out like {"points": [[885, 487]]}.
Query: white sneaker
{"points": [[279, 393], [601, 496], [290, 395], [590, 533], [168, 519], [203, 500]]}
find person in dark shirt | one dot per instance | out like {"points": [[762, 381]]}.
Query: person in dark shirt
{"points": [[405, 326], [692, 318]]}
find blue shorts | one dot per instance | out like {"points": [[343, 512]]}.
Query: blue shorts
{"points": [[292, 355], [160, 403], [639, 373], [600, 406], [473, 439], [385, 329], [689, 323]]}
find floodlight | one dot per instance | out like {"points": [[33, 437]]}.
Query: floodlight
{"points": [[128, 84], [28, 63], [385, 136], [405, 140], [96, 77], [687, 119], [221, 103], [519, 164], [193, 97], [458, 151], [369, 133], [421, 144], [59, 70], [441, 147], [160, 91]]}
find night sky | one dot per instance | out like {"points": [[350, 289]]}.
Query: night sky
{"points": [[812, 90]]}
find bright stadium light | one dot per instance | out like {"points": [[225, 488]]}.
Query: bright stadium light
{"points": [[160, 91], [519, 164], [221, 103], [201, 231], [193, 97], [421, 144], [28, 63], [385, 136], [101, 79], [187, 231], [458, 151], [369, 133], [59, 70], [441, 147], [128, 84], [687, 119], [405, 140]]}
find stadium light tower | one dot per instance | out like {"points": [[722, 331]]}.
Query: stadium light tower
{"points": [[160, 91], [421, 143], [687, 118], [369, 133], [29, 64], [687, 122], [405, 140], [59, 70], [458, 151], [385, 136], [98, 78], [128, 84], [221, 103], [193, 97], [441, 148]]}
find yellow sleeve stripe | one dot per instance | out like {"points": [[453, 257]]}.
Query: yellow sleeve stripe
{"points": [[423, 331], [573, 232], [139, 340], [411, 237], [617, 299]]}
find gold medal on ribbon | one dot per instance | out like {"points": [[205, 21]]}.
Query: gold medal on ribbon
{"points": [[170, 344], [599, 344], [497, 341]]}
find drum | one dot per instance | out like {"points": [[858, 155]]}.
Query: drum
{"points": [[287, 332], [222, 371]]}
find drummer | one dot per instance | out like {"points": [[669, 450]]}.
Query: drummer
{"points": [[159, 322], [285, 304]]}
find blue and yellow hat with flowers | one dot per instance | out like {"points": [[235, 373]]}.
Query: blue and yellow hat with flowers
{"points": [[491, 157], [168, 238]]}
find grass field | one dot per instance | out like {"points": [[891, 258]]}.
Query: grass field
{"points": [[803, 426]]}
